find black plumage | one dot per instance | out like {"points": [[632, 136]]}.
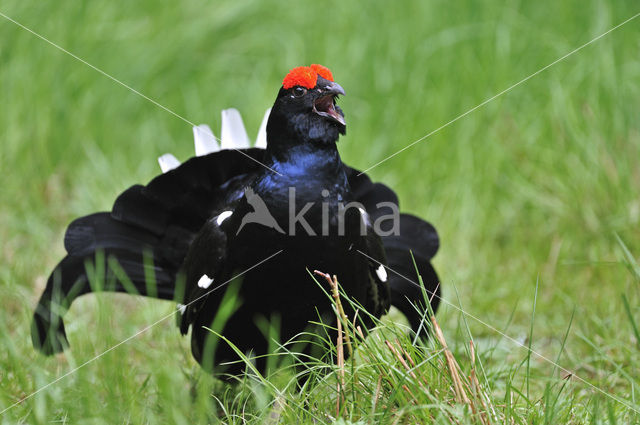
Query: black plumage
{"points": [[200, 224]]}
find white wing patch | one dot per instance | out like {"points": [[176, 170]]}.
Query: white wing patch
{"points": [[205, 281], [233, 134], [223, 216], [204, 140], [261, 140], [182, 308], [382, 273], [365, 216], [168, 162]]}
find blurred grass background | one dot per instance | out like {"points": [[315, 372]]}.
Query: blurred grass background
{"points": [[533, 187]]}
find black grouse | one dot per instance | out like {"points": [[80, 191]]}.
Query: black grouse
{"points": [[238, 231]]}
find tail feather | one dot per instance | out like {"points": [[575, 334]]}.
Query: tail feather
{"points": [[184, 196], [371, 194], [135, 208], [147, 234], [71, 279], [377, 201], [408, 255], [99, 231], [406, 293], [413, 240], [415, 234]]}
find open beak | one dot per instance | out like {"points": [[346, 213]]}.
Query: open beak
{"points": [[325, 105]]}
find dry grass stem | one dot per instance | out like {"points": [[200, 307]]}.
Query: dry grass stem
{"points": [[479, 402], [335, 292], [400, 359], [452, 365], [342, 336], [376, 397]]}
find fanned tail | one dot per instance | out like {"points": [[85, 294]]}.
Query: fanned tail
{"points": [[107, 255], [145, 238], [139, 246]]}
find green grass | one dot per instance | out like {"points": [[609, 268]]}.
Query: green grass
{"points": [[539, 188]]}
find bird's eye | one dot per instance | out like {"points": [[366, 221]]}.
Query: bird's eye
{"points": [[299, 91]]}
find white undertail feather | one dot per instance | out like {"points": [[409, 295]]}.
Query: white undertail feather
{"points": [[168, 162], [261, 140], [204, 140], [233, 134], [205, 281]]}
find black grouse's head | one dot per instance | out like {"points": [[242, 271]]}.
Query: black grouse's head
{"points": [[305, 110]]}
